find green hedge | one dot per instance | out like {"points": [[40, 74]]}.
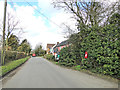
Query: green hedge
{"points": [[67, 57], [13, 64], [20, 55], [13, 55], [103, 51], [103, 47], [49, 57]]}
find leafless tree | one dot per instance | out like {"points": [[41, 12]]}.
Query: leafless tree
{"points": [[87, 13], [11, 27], [67, 30]]}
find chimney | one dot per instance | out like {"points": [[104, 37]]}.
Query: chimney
{"points": [[57, 43]]}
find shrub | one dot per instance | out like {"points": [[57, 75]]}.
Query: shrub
{"points": [[103, 47], [50, 57], [67, 57], [103, 52], [20, 55], [13, 55], [10, 56]]}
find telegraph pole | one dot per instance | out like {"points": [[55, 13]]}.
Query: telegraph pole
{"points": [[3, 37]]}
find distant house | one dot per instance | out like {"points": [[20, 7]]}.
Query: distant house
{"points": [[49, 48], [57, 48], [52, 50]]}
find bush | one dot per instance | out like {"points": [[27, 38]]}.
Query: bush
{"points": [[103, 47], [13, 55], [103, 52], [10, 56], [20, 55], [50, 57], [67, 57]]}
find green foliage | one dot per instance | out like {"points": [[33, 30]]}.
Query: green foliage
{"points": [[39, 51], [66, 57], [24, 47], [49, 57], [8, 67], [13, 41], [57, 63], [115, 19], [103, 50], [20, 55], [102, 45], [13, 55]]}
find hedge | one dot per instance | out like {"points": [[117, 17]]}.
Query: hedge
{"points": [[49, 57], [67, 57], [13, 55], [103, 47]]}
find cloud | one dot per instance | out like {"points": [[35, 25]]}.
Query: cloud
{"points": [[62, 18], [37, 29], [47, 7]]}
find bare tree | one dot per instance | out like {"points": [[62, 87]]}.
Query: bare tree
{"points": [[67, 30], [11, 27], [87, 13]]}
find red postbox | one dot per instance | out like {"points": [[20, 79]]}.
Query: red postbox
{"points": [[86, 54]]}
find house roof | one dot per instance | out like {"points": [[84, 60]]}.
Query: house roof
{"points": [[50, 45], [62, 43]]}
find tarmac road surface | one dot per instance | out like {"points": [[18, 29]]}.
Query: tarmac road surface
{"points": [[37, 72]]}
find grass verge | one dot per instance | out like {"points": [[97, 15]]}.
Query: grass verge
{"points": [[12, 65], [77, 68], [106, 77]]}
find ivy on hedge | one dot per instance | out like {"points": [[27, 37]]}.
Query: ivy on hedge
{"points": [[67, 57], [102, 45]]}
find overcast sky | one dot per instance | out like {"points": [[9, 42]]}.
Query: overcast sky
{"points": [[37, 29]]}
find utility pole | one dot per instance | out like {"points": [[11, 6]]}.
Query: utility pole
{"points": [[3, 37]]}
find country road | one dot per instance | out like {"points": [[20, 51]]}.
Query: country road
{"points": [[39, 73]]}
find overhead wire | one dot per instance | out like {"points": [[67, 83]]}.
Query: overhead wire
{"points": [[43, 14], [39, 13]]}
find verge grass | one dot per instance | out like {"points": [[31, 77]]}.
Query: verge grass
{"points": [[12, 65], [78, 68]]}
